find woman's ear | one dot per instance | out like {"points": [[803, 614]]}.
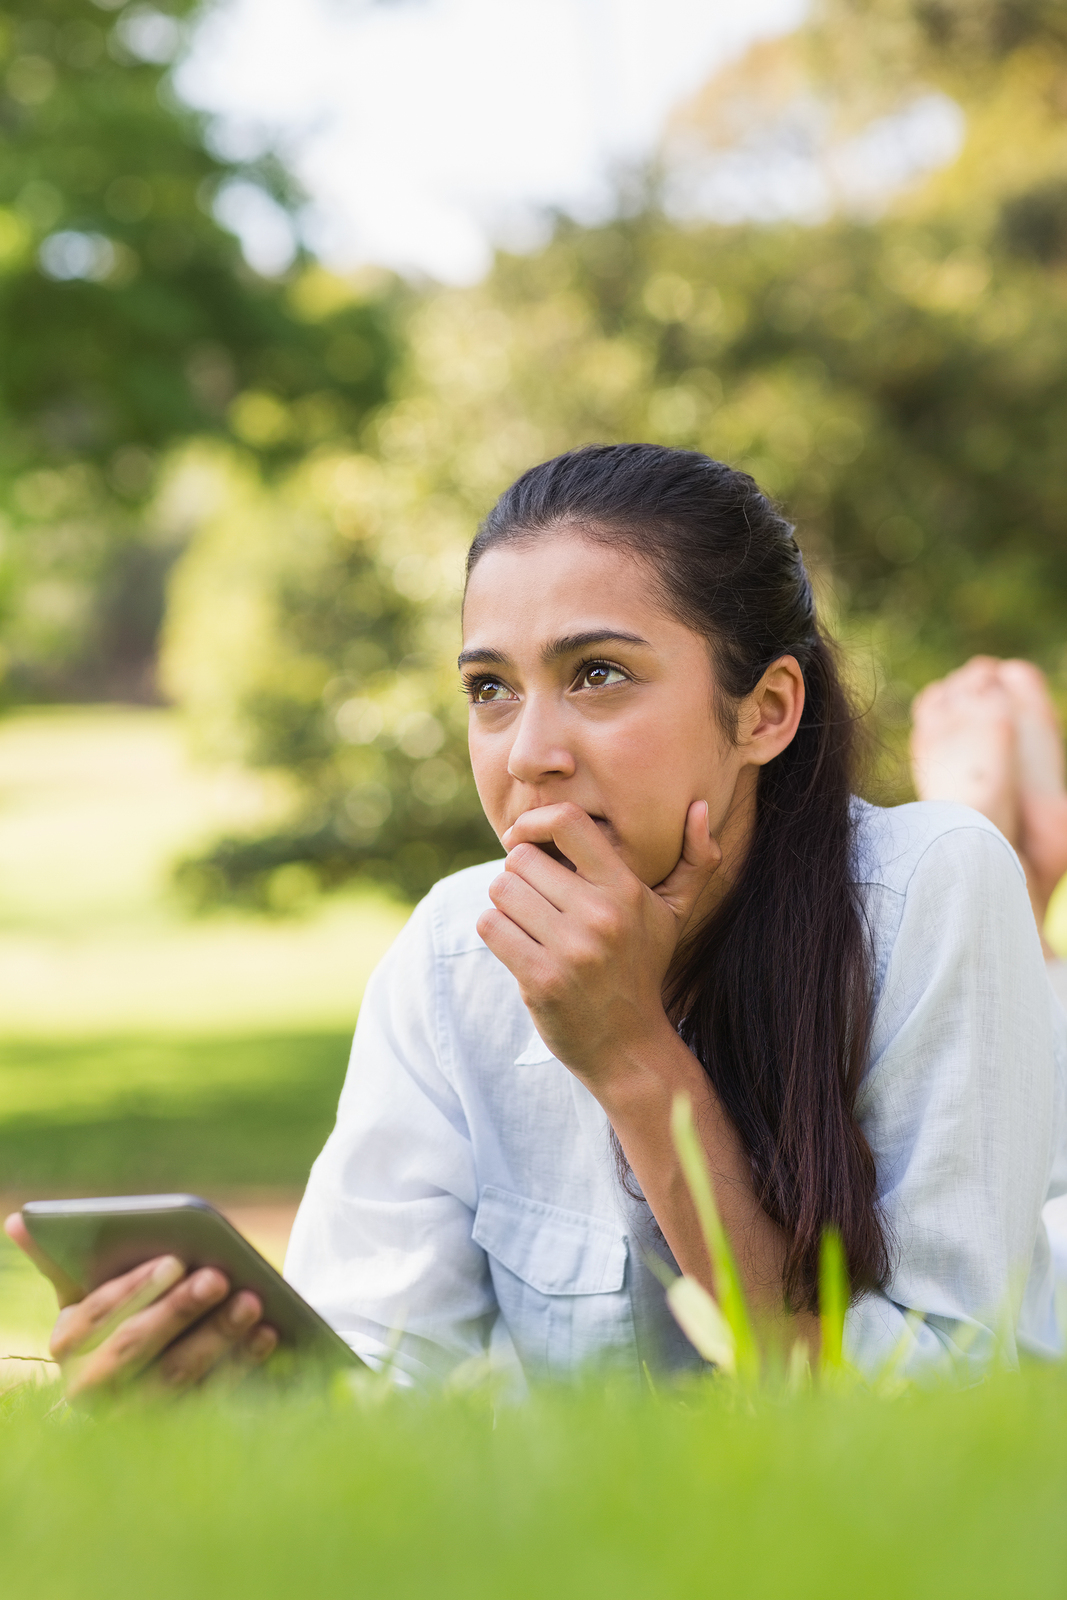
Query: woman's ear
{"points": [[769, 716]]}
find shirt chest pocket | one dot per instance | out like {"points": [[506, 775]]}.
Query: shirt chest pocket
{"points": [[560, 1282]]}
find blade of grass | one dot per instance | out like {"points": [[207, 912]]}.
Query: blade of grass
{"points": [[833, 1299], [729, 1292], [703, 1324]]}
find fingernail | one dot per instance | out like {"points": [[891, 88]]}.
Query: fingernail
{"points": [[167, 1271], [206, 1285]]}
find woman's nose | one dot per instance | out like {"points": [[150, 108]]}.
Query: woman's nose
{"points": [[539, 749]]}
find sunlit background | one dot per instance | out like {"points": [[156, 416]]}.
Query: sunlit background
{"points": [[289, 291]]}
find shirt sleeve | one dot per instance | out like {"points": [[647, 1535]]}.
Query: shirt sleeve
{"points": [[382, 1244], [959, 1107]]}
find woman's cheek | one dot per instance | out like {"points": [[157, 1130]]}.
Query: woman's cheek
{"points": [[652, 854], [491, 786]]}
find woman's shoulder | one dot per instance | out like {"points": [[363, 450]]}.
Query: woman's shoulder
{"points": [[927, 839], [444, 924], [450, 911]]}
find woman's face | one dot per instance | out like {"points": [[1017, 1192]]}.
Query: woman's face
{"points": [[583, 688]]}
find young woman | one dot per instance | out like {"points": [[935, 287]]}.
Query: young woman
{"points": [[691, 901]]}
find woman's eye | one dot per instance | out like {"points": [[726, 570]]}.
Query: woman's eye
{"points": [[487, 691], [601, 675]]}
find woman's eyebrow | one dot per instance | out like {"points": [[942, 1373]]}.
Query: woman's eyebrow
{"points": [[567, 646], [496, 658], [572, 642]]}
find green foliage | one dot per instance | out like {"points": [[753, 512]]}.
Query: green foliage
{"points": [[605, 1490], [897, 382], [309, 629], [129, 321]]}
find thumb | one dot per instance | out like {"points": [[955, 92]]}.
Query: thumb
{"points": [[67, 1291], [699, 859]]}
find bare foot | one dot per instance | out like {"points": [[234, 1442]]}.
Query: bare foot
{"points": [[1042, 786], [964, 744]]}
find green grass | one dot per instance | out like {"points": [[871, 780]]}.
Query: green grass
{"points": [[134, 1114], [141, 1047], [598, 1492]]}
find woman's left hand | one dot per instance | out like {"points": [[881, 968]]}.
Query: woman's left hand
{"points": [[590, 948]]}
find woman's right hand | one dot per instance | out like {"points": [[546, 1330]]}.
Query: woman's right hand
{"points": [[158, 1323]]}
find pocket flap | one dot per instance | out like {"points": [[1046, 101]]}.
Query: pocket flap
{"points": [[554, 1251]]}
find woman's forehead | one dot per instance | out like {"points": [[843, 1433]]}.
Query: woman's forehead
{"points": [[528, 611], [558, 575]]}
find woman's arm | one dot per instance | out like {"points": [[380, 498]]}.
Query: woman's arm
{"points": [[382, 1245], [590, 951], [638, 1103]]}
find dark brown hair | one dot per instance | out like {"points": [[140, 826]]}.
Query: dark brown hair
{"points": [[773, 992]]}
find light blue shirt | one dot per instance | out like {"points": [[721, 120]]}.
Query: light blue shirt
{"points": [[468, 1202]]}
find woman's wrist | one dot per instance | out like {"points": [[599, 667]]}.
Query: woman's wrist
{"points": [[646, 1075]]}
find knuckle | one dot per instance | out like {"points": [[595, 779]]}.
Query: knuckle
{"points": [[586, 955], [604, 926]]}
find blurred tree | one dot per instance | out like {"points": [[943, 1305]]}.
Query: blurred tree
{"points": [[894, 373], [129, 320], [308, 630]]}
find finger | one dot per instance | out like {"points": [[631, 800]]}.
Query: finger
{"points": [[86, 1324], [575, 835], [699, 861], [165, 1274], [555, 882], [189, 1359], [561, 887], [526, 906], [259, 1346], [521, 955], [142, 1337], [67, 1291], [256, 1348]]}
